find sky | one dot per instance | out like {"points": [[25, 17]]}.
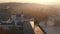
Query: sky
{"points": [[55, 2]]}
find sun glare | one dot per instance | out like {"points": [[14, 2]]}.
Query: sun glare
{"points": [[32, 24], [33, 1], [44, 1], [40, 1]]}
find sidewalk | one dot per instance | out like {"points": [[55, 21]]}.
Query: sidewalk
{"points": [[38, 30]]}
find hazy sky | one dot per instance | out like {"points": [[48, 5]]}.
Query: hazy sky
{"points": [[34, 1]]}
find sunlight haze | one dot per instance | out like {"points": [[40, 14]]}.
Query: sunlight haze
{"points": [[34, 1]]}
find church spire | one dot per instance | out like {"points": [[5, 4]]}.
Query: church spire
{"points": [[22, 14]]}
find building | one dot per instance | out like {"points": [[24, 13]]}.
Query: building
{"points": [[19, 23], [53, 20]]}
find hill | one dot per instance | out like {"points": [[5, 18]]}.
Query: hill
{"points": [[35, 10]]}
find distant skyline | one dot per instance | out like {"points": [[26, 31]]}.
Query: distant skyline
{"points": [[48, 2]]}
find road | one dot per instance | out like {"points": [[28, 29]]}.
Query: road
{"points": [[52, 29]]}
